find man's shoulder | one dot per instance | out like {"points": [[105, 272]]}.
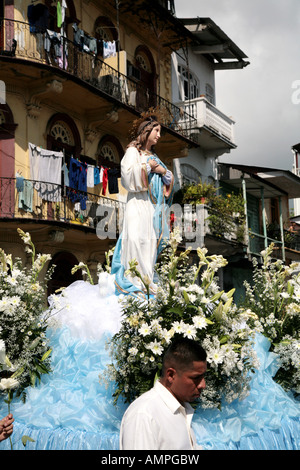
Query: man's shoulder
{"points": [[144, 401]]}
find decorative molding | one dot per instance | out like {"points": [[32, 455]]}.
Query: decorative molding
{"points": [[33, 110], [90, 133], [113, 116], [33, 104]]}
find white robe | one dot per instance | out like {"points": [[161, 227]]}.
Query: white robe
{"points": [[138, 239]]}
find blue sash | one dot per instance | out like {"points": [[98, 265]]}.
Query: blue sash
{"points": [[162, 202]]}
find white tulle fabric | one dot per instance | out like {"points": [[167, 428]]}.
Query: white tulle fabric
{"points": [[89, 311]]}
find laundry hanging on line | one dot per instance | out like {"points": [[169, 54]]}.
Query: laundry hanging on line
{"points": [[84, 41], [25, 192], [109, 49], [61, 12], [77, 190], [45, 171]]}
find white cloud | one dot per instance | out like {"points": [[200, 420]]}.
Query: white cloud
{"points": [[259, 97]]}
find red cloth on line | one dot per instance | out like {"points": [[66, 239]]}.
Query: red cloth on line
{"points": [[104, 181]]}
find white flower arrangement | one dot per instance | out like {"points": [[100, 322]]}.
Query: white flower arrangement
{"points": [[189, 303], [24, 350], [275, 298]]}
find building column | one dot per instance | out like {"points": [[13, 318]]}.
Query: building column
{"points": [[263, 210], [246, 212], [281, 228]]}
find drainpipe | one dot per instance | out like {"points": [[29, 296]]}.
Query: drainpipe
{"points": [[118, 51], [281, 228], [264, 216]]}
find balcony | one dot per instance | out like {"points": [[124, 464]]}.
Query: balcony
{"points": [[258, 242], [201, 225], [286, 245], [18, 42], [54, 204], [213, 128]]}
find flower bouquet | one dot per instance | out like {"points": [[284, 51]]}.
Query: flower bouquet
{"points": [[275, 298], [189, 302], [24, 350]]}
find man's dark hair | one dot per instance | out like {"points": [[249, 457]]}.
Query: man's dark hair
{"points": [[181, 353]]}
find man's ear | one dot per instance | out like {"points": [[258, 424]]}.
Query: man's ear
{"points": [[170, 375]]}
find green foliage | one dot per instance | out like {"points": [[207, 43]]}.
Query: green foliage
{"points": [[275, 298], [199, 193], [225, 211]]}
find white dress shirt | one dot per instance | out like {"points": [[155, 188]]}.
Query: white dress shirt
{"points": [[157, 421]]}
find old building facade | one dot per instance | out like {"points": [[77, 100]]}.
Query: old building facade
{"points": [[74, 76]]}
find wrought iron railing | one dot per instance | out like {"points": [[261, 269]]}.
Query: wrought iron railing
{"points": [[259, 242], [34, 200], [17, 40]]}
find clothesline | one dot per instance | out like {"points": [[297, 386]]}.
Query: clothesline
{"points": [[49, 172], [38, 17]]}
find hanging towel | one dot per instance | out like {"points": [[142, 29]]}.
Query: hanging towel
{"points": [[19, 183], [45, 170], [101, 174], [112, 176], [59, 14], [96, 176], [109, 49], [26, 196], [90, 176], [66, 174], [104, 181], [64, 6]]}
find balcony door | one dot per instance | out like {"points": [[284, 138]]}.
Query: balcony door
{"points": [[144, 62], [7, 162]]}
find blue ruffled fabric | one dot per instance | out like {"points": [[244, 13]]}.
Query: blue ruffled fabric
{"points": [[72, 410], [269, 418]]}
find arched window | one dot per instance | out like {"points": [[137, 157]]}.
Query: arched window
{"points": [[143, 61], [189, 174], [63, 135], [109, 152], [145, 64]]}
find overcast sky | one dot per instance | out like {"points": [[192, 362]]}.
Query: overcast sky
{"points": [[259, 97]]}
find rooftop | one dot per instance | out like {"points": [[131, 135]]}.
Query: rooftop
{"points": [[275, 182], [211, 41]]}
